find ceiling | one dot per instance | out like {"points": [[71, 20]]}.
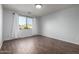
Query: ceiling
{"points": [[30, 10]]}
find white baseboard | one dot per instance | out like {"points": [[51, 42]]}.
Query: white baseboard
{"points": [[60, 39]]}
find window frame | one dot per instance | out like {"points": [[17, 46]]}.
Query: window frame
{"points": [[26, 21]]}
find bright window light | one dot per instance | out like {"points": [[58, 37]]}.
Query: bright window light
{"points": [[25, 22]]}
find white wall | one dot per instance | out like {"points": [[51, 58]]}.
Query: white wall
{"points": [[35, 26], [7, 26], [1, 26], [7, 22], [62, 25]]}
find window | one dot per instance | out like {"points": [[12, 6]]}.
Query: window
{"points": [[25, 22], [29, 23]]}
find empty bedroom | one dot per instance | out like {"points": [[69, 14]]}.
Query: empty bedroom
{"points": [[39, 29]]}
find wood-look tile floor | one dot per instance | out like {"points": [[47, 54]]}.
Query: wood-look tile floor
{"points": [[38, 45]]}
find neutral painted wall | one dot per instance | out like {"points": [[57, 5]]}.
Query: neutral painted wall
{"points": [[7, 22], [62, 25], [1, 26], [7, 26]]}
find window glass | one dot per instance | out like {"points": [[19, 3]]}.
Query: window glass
{"points": [[25, 22], [29, 23]]}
